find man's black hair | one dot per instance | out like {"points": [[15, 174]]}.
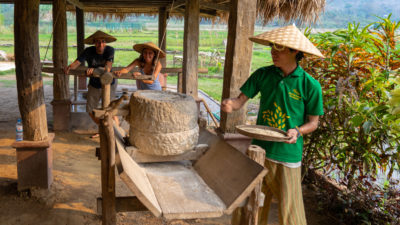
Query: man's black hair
{"points": [[299, 55]]}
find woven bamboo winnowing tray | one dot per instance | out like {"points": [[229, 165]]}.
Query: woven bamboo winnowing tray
{"points": [[258, 132]]}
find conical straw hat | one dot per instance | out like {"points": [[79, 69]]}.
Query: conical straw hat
{"points": [[139, 48], [289, 36], [99, 35]]}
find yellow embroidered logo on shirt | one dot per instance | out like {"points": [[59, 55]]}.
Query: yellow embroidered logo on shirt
{"points": [[295, 94], [275, 119]]}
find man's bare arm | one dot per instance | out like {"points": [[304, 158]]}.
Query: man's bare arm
{"points": [[310, 126], [232, 104]]}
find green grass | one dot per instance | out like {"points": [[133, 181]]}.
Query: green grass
{"points": [[7, 72], [8, 83], [210, 41]]}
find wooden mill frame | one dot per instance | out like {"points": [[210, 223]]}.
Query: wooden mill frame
{"points": [[242, 16]]}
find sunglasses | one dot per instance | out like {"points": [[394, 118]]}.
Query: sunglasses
{"points": [[276, 47]]}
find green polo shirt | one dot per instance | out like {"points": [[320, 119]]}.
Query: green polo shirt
{"points": [[285, 102]]}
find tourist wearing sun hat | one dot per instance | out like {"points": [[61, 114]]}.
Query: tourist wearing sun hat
{"points": [[149, 64], [291, 100], [99, 55]]}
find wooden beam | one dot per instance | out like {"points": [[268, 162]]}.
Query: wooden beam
{"points": [[76, 3], [60, 50], [216, 6], [162, 32], [80, 71], [131, 4], [238, 55], [27, 68], [191, 47], [110, 9], [208, 12], [177, 4]]}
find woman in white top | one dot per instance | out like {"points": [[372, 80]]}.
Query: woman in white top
{"points": [[148, 64]]}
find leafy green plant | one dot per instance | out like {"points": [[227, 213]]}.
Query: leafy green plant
{"points": [[358, 137]]}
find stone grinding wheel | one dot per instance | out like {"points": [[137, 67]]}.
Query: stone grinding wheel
{"points": [[163, 122]]}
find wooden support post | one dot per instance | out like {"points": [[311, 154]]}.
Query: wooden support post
{"points": [[162, 42], [61, 103], [80, 36], [107, 156], [248, 215], [180, 83], [107, 175], [190, 47], [162, 32], [257, 154], [27, 68], [238, 55]]}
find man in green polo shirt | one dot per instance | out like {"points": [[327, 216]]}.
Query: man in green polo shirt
{"points": [[291, 100]]}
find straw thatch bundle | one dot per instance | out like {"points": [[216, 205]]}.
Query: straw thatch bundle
{"points": [[301, 11]]}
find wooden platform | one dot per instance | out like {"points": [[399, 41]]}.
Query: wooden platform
{"points": [[214, 185]]}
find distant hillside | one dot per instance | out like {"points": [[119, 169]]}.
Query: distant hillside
{"points": [[338, 13]]}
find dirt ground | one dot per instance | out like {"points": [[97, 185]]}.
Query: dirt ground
{"points": [[72, 196]]}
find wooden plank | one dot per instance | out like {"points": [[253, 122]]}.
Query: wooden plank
{"points": [[190, 48], [124, 204], [181, 193], [27, 69], [136, 179], [228, 172], [238, 55], [192, 154]]}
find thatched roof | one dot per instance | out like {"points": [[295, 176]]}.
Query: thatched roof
{"points": [[301, 11]]}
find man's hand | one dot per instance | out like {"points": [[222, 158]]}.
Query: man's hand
{"points": [[66, 69], [226, 105], [136, 74], [73, 66], [118, 73], [89, 72], [232, 104], [292, 133]]}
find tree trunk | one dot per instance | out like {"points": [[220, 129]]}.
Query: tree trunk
{"points": [[27, 68], [238, 55]]}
